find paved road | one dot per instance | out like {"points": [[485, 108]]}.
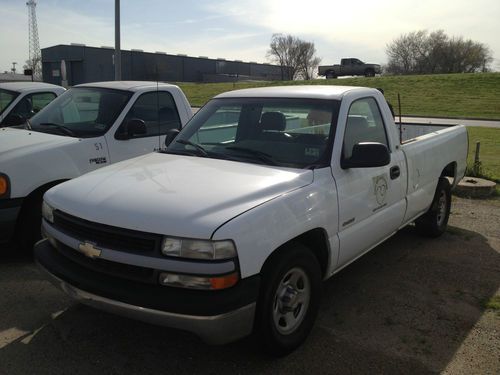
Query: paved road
{"points": [[411, 306]]}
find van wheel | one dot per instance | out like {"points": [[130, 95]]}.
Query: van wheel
{"points": [[289, 300], [434, 222]]}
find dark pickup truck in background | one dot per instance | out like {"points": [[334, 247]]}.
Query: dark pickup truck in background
{"points": [[349, 67]]}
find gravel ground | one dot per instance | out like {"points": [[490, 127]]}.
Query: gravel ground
{"points": [[412, 305]]}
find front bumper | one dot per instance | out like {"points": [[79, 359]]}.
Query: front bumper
{"points": [[217, 317], [9, 212]]}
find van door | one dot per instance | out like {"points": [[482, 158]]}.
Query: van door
{"points": [[371, 201]]}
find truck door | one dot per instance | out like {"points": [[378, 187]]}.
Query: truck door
{"points": [[371, 201], [159, 112]]}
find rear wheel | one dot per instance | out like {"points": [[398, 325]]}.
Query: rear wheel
{"points": [[289, 300], [434, 222], [330, 75]]}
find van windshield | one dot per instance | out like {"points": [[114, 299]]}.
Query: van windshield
{"points": [[81, 112], [293, 133], [6, 97]]}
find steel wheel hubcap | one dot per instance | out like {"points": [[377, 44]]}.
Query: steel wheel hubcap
{"points": [[291, 301]]}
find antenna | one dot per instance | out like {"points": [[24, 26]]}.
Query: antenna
{"points": [[35, 56], [400, 122], [158, 108]]}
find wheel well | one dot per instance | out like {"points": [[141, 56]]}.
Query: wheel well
{"points": [[315, 240], [450, 171], [28, 200]]}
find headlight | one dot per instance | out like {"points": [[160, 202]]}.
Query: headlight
{"points": [[4, 186], [48, 212], [198, 249]]}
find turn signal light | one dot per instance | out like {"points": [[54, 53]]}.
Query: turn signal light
{"points": [[4, 185]]}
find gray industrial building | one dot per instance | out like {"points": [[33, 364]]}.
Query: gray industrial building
{"points": [[90, 64]]}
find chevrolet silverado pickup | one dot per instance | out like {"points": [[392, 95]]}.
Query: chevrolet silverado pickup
{"points": [[88, 127], [232, 228], [19, 101], [349, 67]]}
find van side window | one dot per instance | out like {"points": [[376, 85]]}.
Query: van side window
{"points": [[157, 110], [364, 124]]}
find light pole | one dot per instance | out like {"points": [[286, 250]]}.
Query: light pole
{"points": [[118, 56]]}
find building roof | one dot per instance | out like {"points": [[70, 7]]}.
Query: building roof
{"points": [[299, 91], [27, 86], [126, 85]]}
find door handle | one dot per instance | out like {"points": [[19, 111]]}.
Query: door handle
{"points": [[395, 172]]}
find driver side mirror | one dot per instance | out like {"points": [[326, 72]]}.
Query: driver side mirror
{"points": [[367, 155], [171, 134], [131, 128]]}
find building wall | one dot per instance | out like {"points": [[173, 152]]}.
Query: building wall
{"points": [[90, 64]]}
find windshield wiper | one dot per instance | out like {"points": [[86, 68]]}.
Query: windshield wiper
{"points": [[263, 156], [195, 145], [28, 125], [65, 129]]}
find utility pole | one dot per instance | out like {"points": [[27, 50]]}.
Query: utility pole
{"points": [[118, 56]]}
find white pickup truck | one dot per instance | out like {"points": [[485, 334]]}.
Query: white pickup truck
{"points": [[19, 101], [86, 128], [232, 228]]}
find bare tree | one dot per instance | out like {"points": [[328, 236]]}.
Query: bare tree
{"points": [[296, 57], [419, 52]]}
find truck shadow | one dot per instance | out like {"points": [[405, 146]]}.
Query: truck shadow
{"points": [[406, 307]]}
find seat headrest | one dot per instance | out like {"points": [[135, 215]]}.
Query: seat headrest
{"points": [[357, 122], [273, 121]]}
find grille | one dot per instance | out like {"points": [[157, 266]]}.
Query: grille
{"points": [[124, 271], [106, 235]]}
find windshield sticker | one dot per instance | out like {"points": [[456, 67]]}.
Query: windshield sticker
{"points": [[100, 160]]}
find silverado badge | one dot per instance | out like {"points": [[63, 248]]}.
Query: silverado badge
{"points": [[89, 250]]}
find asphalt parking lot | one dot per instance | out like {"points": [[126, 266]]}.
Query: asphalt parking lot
{"points": [[412, 305]]}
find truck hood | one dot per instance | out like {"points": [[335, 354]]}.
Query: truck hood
{"points": [[172, 194], [18, 142]]}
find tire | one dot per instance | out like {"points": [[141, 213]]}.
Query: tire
{"points": [[434, 222], [330, 75], [289, 300], [369, 73]]}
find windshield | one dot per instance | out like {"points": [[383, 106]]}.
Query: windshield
{"points": [[81, 112], [6, 97], [292, 133]]}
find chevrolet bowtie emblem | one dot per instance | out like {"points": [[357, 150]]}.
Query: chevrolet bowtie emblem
{"points": [[89, 250]]}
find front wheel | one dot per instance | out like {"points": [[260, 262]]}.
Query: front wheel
{"points": [[434, 222], [289, 300]]}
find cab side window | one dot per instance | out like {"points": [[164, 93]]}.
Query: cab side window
{"points": [[32, 103], [364, 124], [157, 110]]}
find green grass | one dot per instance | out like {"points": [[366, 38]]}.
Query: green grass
{"points": [[447, 95], [493, 304], [489, 152]]}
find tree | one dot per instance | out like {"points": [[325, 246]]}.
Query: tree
{"points": [[419, 52], [296, 57]]}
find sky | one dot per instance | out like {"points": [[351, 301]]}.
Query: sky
{"points": [[242, 29]]}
